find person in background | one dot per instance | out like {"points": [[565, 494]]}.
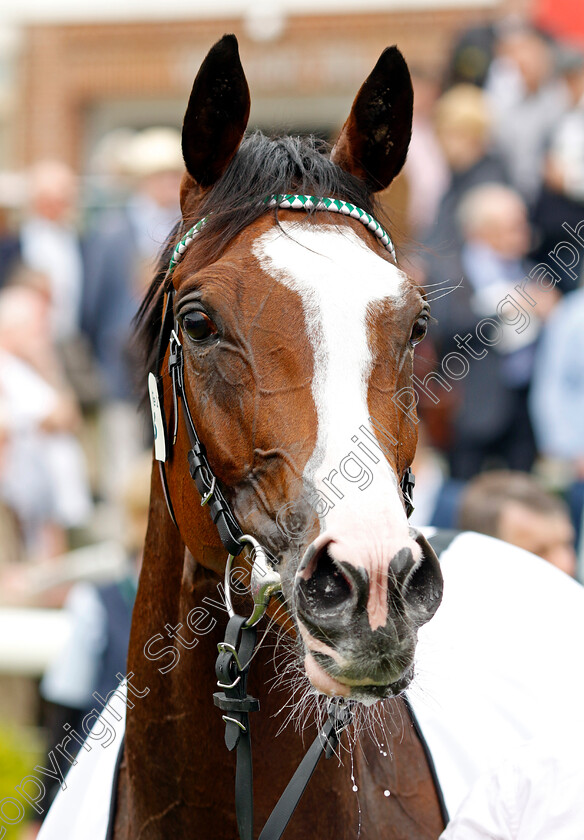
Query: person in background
{"points": [[515, 508], [474, 48], [561, 199], [462, 121], [491, 424], [43, 476], [556, 400], [527, 100], [565, 158], [9, 242], [11, 548], [462, 124], [49, 243], [425, 169], [471, 55], [101, 617], [121, 259]]}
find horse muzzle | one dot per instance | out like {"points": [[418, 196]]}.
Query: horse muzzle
{"points": [[359, 624]]}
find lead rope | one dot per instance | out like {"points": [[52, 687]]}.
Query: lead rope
{"points": [[232, 667]]}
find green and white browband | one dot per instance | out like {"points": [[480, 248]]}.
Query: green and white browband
{"points": [[297, 202]]}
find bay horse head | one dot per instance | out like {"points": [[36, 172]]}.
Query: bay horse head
{"points": [[296, 330]]}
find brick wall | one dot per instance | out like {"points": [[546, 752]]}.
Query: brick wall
{"points": [[68, 70]]}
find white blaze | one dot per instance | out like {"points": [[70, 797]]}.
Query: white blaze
{"points": [[339, 278]]}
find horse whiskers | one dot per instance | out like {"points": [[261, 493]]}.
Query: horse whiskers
{"points": [[271, 622], [379, 723], [285, 656], [283, 648], [286, 659], [303, 707], [290, 677], [376, 722], [280, 651], [297, 713], [438, 283], [273, 619], [433, 296], [269, 626], [282, 680]]}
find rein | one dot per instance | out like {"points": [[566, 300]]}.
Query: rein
{"points": [[236, 651]]}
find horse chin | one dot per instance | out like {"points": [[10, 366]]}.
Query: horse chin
{"points": [[322, 681], [367, 693]]}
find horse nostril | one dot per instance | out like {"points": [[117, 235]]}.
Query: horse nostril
{"points": [[401, 566], [327, 587], [423, 587]]}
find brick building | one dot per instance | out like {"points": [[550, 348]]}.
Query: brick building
{"points": [[77, 81]]}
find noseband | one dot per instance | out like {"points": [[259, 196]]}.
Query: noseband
{"points": [[236, 651]]}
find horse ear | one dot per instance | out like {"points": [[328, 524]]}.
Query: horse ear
{"points": [[374, 141], [217, 113]]}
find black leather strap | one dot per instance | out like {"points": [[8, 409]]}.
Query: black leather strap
{"points": [[325, 743], [442, 539], [199, 467], [114, 794], [430, 761], [231, 668]]}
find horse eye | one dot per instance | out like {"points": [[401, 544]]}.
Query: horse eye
{"points": [[198, 326], [419, 330]]}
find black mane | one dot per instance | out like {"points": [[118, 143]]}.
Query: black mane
{"points": [[262, 166]]}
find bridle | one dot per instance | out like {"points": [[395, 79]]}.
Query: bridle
{"points": [[235, 652]]}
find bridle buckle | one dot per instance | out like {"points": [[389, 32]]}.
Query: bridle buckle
{"points": [[207, 497], [264, 584]]}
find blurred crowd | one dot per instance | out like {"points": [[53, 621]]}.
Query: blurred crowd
{"points": [[495, 210], [75, 446], [70, 284]]}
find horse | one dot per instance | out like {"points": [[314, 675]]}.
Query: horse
{"points": [[276, 344]]}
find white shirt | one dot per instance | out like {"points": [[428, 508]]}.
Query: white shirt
{"points": [[54, 250], [81, 809], [500, 662], [537, 793], [44, 474]]}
